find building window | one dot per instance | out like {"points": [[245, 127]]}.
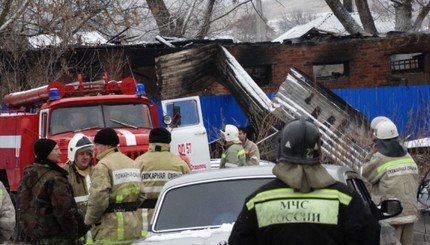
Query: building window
{"points": [[404, 63], [330, 71], [262, 75]]}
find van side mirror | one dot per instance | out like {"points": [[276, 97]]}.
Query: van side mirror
{"points": [[389, 208]]}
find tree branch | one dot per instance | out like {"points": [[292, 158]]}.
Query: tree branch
{"points": [[18, 12], [231, 10]]}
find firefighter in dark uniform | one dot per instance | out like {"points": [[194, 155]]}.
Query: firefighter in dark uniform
{"points": [[304, 205]]}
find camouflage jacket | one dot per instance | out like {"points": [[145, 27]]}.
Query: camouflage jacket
{"points": [[7, 215], [45, 203]]}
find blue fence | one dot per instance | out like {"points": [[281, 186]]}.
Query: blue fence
{"points": [[407, 106]]}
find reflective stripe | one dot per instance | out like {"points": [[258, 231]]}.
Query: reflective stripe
{"points": [[119, 194], [89, 238], [297, 211], [289, 193], [88, 182], [241, 152], [120, 229], [119, 197], [145, 218], [393, 163], [80, 199], [130, 138], [113, 242], [223, 155], [10, 141], [148, 189], [125, 175], [150, 176]]}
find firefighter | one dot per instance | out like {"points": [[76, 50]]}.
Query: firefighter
{"points": [[252, 153], [7, 215], [304, 205], [158, 165], [79, 166], [115, 193], [47, 211], [393, 173], [233, 154]]}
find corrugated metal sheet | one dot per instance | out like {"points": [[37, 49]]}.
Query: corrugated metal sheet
{"points": [[329, 23], [344, 130], [407, 106]]}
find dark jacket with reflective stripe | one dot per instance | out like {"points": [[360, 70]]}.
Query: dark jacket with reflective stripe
{"points": [[275, 214]]}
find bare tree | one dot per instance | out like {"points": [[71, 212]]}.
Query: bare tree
{"points": [[366, 17], [57, 26], [244, 29], [424, 10], [402, 10], [168, 25], [403, 14], [295, 18], [344, 17], [204, 29], [195, 18]]}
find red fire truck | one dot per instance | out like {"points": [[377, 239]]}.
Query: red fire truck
{"points": [[58, 111]]}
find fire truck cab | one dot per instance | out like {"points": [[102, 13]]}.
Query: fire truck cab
{"points": [[189, 135], [58, 111]]}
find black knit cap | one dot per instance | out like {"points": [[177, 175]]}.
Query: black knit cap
{"points": [[43, 147], [107, 136], [160, 135]]}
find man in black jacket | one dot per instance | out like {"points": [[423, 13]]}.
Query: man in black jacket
{"points": [[304, 205]]}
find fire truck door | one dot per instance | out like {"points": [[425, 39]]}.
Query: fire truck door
{"points": [[189, 136]]}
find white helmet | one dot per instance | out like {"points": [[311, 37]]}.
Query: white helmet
{"points": [[230, 132], [377, 120], [386, 130], [79, 141]]}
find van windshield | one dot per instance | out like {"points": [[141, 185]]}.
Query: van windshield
{"points": [[99, 116]]}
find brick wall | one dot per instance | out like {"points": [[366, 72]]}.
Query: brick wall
{"points": [[368, 59]]}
